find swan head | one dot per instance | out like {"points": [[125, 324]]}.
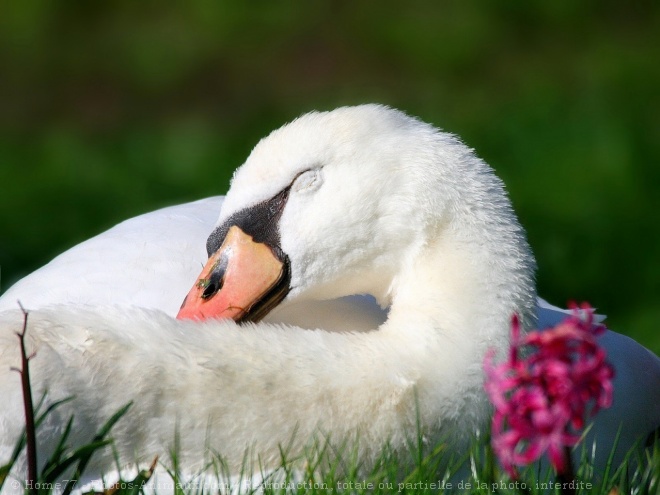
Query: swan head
{"points": [[340, 203]]}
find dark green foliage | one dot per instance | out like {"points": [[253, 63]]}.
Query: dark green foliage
{"points": [[110, 109]]}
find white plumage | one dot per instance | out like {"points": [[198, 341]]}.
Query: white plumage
{"points": [[391, 208]]}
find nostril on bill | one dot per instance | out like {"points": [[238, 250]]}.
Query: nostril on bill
{"points": [[216, 279], [214, 284]]}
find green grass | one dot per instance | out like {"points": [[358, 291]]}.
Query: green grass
{"points": [[326, 468]]}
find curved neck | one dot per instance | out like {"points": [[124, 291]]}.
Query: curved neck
{"points": [[468, 282]]}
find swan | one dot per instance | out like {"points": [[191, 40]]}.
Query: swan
{"points": [[117, 267], [395, 260]]}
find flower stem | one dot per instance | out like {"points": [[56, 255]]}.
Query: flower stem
{"points": [[567, 475]]}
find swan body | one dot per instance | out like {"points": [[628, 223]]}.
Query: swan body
{"points": [[378, 204], [135, 263]]}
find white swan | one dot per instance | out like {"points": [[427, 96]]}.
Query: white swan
{"points": [[376, 203]]}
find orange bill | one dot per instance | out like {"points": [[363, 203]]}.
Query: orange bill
{"points": [[240, 275]]}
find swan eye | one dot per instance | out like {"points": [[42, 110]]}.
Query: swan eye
{"points": [[309, 180]]}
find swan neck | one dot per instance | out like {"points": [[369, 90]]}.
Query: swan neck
{"points": [[467, 283]]}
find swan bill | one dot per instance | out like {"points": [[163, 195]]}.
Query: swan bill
{"points": [[243, 280]]}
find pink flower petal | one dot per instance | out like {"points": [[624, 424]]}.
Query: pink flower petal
{"points": [[541, 398]]}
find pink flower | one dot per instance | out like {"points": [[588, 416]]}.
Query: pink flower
{"points": [[546, 387]]}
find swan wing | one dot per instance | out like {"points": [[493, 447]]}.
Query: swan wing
{"points": [[142, 262]]}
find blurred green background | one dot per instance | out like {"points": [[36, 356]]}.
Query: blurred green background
{"points": [[111, 109]]}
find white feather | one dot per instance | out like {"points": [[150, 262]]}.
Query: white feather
{"points": [[393, 210]]}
